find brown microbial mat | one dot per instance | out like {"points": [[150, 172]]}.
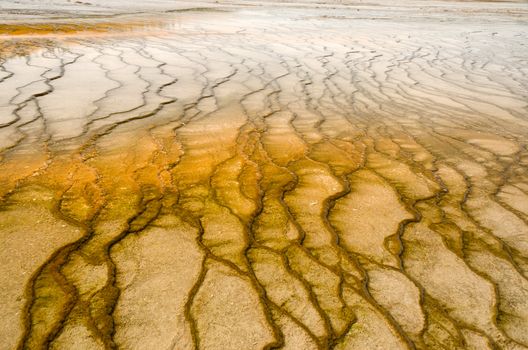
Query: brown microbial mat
{"points": [[264, 175]]}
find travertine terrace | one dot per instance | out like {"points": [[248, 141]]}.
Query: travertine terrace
{"points": [[263, 175]]}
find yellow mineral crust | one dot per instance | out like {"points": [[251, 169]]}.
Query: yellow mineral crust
{"points": [[274, 176]]}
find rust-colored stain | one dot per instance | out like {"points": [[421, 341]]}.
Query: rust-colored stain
{"points": [[265, 178]]}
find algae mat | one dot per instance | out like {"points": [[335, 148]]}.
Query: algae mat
{"points": [[265, 176]]}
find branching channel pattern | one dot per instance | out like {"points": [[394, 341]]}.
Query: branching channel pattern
{"points": [[266, 178]]}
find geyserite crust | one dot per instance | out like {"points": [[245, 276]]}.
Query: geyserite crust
{"points": [[347, 176]]}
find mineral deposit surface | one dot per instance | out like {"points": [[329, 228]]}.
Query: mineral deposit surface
{"points": [[263, 175]]}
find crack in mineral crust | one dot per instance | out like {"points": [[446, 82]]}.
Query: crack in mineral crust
{"points": [[225, 176]]}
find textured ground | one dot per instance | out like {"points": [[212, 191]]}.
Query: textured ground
{"points": [[302, 176]]}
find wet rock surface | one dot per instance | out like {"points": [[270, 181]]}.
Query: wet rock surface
{"points": [[264, 175]]}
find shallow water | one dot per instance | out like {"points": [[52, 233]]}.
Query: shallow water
{"points": [[266, 177]]}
